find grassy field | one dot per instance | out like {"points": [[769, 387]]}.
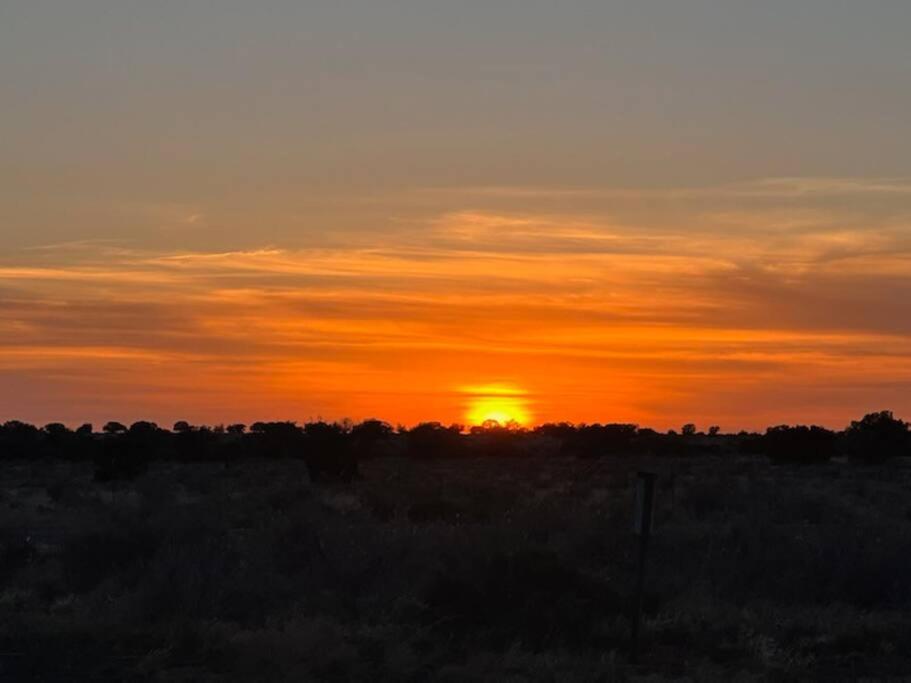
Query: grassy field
{"points": [[497, 569]]}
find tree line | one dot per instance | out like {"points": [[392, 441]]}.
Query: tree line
{"points": [[332, 451]]}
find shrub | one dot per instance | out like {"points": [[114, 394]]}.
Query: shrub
{"points": [[877, 437], [329, 453], [799, 444], [433, 440]]}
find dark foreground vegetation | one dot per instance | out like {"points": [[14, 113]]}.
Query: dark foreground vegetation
{"points": [[362, 553]]}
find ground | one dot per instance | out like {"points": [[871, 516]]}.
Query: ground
{"points": [[496, 569]]}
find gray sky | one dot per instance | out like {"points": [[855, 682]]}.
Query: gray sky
{"points": [[181, 102]]}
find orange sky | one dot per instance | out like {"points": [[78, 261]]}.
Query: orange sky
{"points": [[658, 212], [779, 312]]}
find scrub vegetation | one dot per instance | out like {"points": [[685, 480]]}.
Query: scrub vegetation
{"points": [[433, 554]]}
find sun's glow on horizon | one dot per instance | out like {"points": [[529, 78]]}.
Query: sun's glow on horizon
{"points": [[497, 402], [519, 317]]}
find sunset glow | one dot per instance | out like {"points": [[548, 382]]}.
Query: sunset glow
{"points": [[497, 403], [293, 217], [729, 326]]}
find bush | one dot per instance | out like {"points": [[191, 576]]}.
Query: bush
{"points": [[800, 444], [433, 440], [591, 441], [329, 453], [877, 438]]}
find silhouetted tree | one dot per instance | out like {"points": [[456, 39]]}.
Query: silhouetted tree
{"points": [[491, 439], [85, 444], [799, 444], [19, 440], [277, 439], [596, 440], [194, 443], [329, 452], [689, 429], [560, 430], [114, 428], [126, 453], [332, 450], [370, 437], [432, 440], [58, 441], [876, 438]]}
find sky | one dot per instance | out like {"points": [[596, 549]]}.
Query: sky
{"points": [[644, 211]]}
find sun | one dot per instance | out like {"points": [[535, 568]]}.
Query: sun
{"points": [[503, 404]]}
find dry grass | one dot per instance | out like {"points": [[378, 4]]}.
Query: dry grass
{"points": [[510, 569]]}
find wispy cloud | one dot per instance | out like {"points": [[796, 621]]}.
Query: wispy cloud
{"points": [[584, 314]]}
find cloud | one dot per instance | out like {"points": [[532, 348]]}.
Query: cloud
{"points": [[600, 311]]}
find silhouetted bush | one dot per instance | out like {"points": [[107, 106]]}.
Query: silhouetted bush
{"points": [[432, 440], [196, 444], [371, 438], [876, 438], [276, 439], [590, 441], [19, 440], [329, 453], [492, 439], [332, 451], [800, 444], [561, 431]]}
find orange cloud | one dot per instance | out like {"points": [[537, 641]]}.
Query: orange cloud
{"points": [[593, 318]]}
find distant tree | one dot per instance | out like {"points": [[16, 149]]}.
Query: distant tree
{"points": [[19, 440], [799, 444], [57, 440], [236, 428], [689, 429], [877, 437], [126, 453], [492, 439], [193, 443], [597, 439], [277, 439], [432, 440], [56, 429], [83, 445], [714, 430], [369, 437], [329, 453], [143, 428], [561, 431]]}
